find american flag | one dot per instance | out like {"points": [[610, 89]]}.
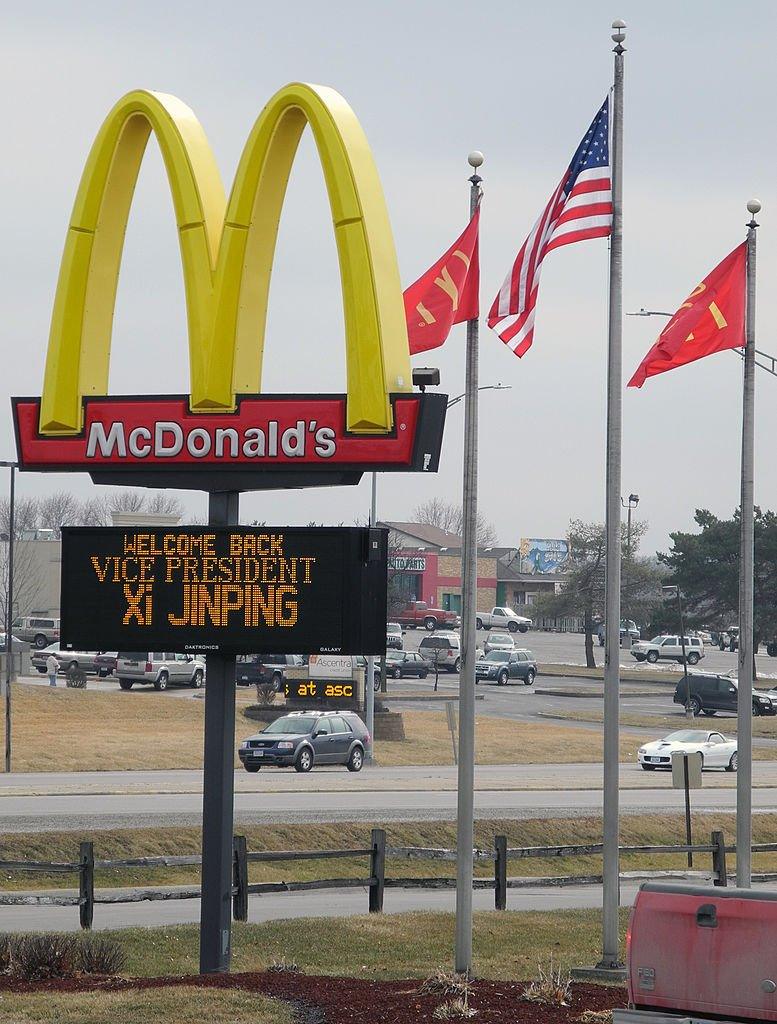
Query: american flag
{"points": [[580, 208]]}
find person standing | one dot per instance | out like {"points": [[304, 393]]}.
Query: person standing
{"points": [[52, 667]]}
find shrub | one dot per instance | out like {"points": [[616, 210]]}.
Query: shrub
{"points": [[39, 957], [284, 966], [446, 983], [76, 679], [551, 986], [454, 1009], [265, 694], [98, 955], [6, 945]]}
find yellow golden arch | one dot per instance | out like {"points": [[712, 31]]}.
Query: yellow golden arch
{"points": [[227, 253]]}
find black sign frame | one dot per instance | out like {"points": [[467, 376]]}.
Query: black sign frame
{"points": [[334, 587]]}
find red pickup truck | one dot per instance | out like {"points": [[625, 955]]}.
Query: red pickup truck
{"points": [[418, 613]]}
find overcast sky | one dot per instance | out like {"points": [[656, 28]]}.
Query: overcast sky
{"points": [[429, 82]]}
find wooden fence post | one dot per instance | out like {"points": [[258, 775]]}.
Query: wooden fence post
{"points": [[86, 884], [719, 876], [239, 878], [377, 870], [500, 873]]}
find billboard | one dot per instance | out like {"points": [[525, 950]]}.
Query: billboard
{"points": [[540, 556], [233, 590]]}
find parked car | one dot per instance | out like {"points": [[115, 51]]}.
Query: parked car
{"points": [[303, 739], [36, 630], [728, 640], [394, 638], [712, 693], [253, 669], [419, 613], [159, 670], [628, 627], [443, 650], [504, 665], [498, 642], [503, 618], [105, 663], [361, 662], [668, 648], [408, 663], [717, 750], [18, 644], [85, 660], [706, 638]]}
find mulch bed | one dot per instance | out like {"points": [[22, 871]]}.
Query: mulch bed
{"points": [[328, 1000]]}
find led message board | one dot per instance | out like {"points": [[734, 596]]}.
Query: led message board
{"points": [[233, 590], [329, 690]]}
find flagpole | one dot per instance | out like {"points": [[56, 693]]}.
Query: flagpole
{"points": [[611, 854], [746, 536], [465, 825]]}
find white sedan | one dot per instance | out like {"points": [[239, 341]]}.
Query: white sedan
{"points": [[717, 750]]}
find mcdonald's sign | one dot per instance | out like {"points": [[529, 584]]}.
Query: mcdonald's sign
{"points": [[225, 425]]}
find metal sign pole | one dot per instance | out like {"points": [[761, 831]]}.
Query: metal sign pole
{"points": [[9, 620], [369, 681], [688, 834], [218, 786]]}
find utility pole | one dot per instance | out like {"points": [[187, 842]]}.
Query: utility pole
{"points": [[746, 531], [369, 682], [9, 612], [465, 824], [631, 504], [611, 854]]}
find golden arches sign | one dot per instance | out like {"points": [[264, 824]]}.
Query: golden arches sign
{"points": [[227, 252]]}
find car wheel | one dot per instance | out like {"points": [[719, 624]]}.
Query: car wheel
{"points": [[277, 682], [771, 650], [304, 761], [42, 671], [648, 767], [102, 673], [126, 684], [161, 683], [376, 682], [756, 710], [422, 675], [252, 768], [502, 678], [457, 665], [397, 673], [523, 628], [693, 658], [529, 677], [733, 763], [430, 623], [197, 679], [652, 657], [478, 623], [40, 642], [695, 705], [512, 627], [639, 657], [601, 641], [709, 712], [356, 760]]}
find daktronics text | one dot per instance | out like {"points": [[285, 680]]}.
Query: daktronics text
{"points": [[236, 590]]}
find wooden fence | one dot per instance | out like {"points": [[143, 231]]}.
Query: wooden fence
{"points": [[374, 879]]}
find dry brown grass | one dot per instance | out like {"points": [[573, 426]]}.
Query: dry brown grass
{"points": [[83, 730], [182, 1005]]}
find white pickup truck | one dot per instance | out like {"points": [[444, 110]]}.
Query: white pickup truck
{"points": [[503, 618]]}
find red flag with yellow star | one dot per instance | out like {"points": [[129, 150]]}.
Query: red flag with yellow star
{"points": [[711, 319], [446, 294]]}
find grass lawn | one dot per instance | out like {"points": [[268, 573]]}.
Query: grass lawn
{"points": [[83, 730], [636, 830], [184, 1005], [762, 727], [506, 945]]}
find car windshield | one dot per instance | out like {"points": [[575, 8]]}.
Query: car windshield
{"points": [[394, 627], [683, 736], [658, 639], [291, 726], [498, 656], [500, 638]]}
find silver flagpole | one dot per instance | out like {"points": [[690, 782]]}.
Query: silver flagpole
{"points": [[612, 600], [746, 529], [469, 571]]}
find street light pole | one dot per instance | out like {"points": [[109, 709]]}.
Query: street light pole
{"points": [[632, 503], [671, 590], [9, 612], [369, 682]]}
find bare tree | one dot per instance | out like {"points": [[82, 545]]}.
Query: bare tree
{"points": [[446, 515], [126, 501], [25, 516], [57, 510], [164, 504], [95, 512]]}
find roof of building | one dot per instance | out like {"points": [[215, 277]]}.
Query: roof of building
{"points": [[426, 534]]}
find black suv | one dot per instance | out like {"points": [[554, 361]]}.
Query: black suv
{"points": [[253, 669], [719, 693], [304, 738]]}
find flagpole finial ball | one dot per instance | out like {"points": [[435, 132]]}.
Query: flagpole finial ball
{"points": [[753, 206], [618, 34], [475, 158]]}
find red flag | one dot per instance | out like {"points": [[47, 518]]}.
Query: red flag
{"points": [[446, 294], [711, 319]]}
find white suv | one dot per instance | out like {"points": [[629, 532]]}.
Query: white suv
{"points": [[443, 649], [670, 648], [159, 669]]}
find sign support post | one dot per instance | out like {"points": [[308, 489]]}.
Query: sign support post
{"points": [[218, 785]]}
